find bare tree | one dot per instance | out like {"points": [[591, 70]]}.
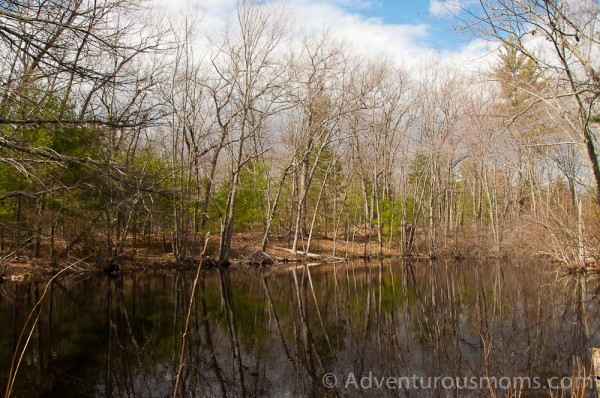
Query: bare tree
{"points": [[561, 39], [73, 68], [440, 114], [246, 90], [379, 130], [195, 142]]}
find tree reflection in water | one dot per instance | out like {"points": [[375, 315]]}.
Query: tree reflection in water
{"points": [[276, 333]]}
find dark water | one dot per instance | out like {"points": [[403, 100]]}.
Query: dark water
{"points": [[279, 333]]}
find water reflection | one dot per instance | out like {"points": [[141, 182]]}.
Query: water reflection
{"points": [[278, 333]]}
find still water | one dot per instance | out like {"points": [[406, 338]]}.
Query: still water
{"points": [[351, 329]]}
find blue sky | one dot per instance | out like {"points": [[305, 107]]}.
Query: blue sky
{"points": [[408, 32], [436, 14]]}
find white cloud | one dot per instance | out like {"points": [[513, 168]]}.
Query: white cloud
{"points": [[478, 55], [370, 37], [358, 4], [445, 8]]}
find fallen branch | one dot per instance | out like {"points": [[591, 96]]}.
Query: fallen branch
{"points": [[311, 255]]}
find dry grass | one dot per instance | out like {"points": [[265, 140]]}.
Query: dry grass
{"points": [[580, 382]]}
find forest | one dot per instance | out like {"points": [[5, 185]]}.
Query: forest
{"points": [[129, 133]]}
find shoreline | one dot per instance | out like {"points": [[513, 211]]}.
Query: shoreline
{"points": [[40, 268]]}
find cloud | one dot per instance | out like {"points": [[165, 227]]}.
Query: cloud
{"points": [[408, 45], [357, 4], [445, 8], [369, 36]]}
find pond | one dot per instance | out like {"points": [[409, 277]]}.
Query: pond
{"points": [[391, 328]]}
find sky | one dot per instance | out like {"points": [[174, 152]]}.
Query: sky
{"points": [[408, 32], [434, 16]]}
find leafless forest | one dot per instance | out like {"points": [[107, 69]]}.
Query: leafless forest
{"points": [[124, 129]]}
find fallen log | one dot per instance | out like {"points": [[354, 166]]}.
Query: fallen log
{"points": [[311, 255]]}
